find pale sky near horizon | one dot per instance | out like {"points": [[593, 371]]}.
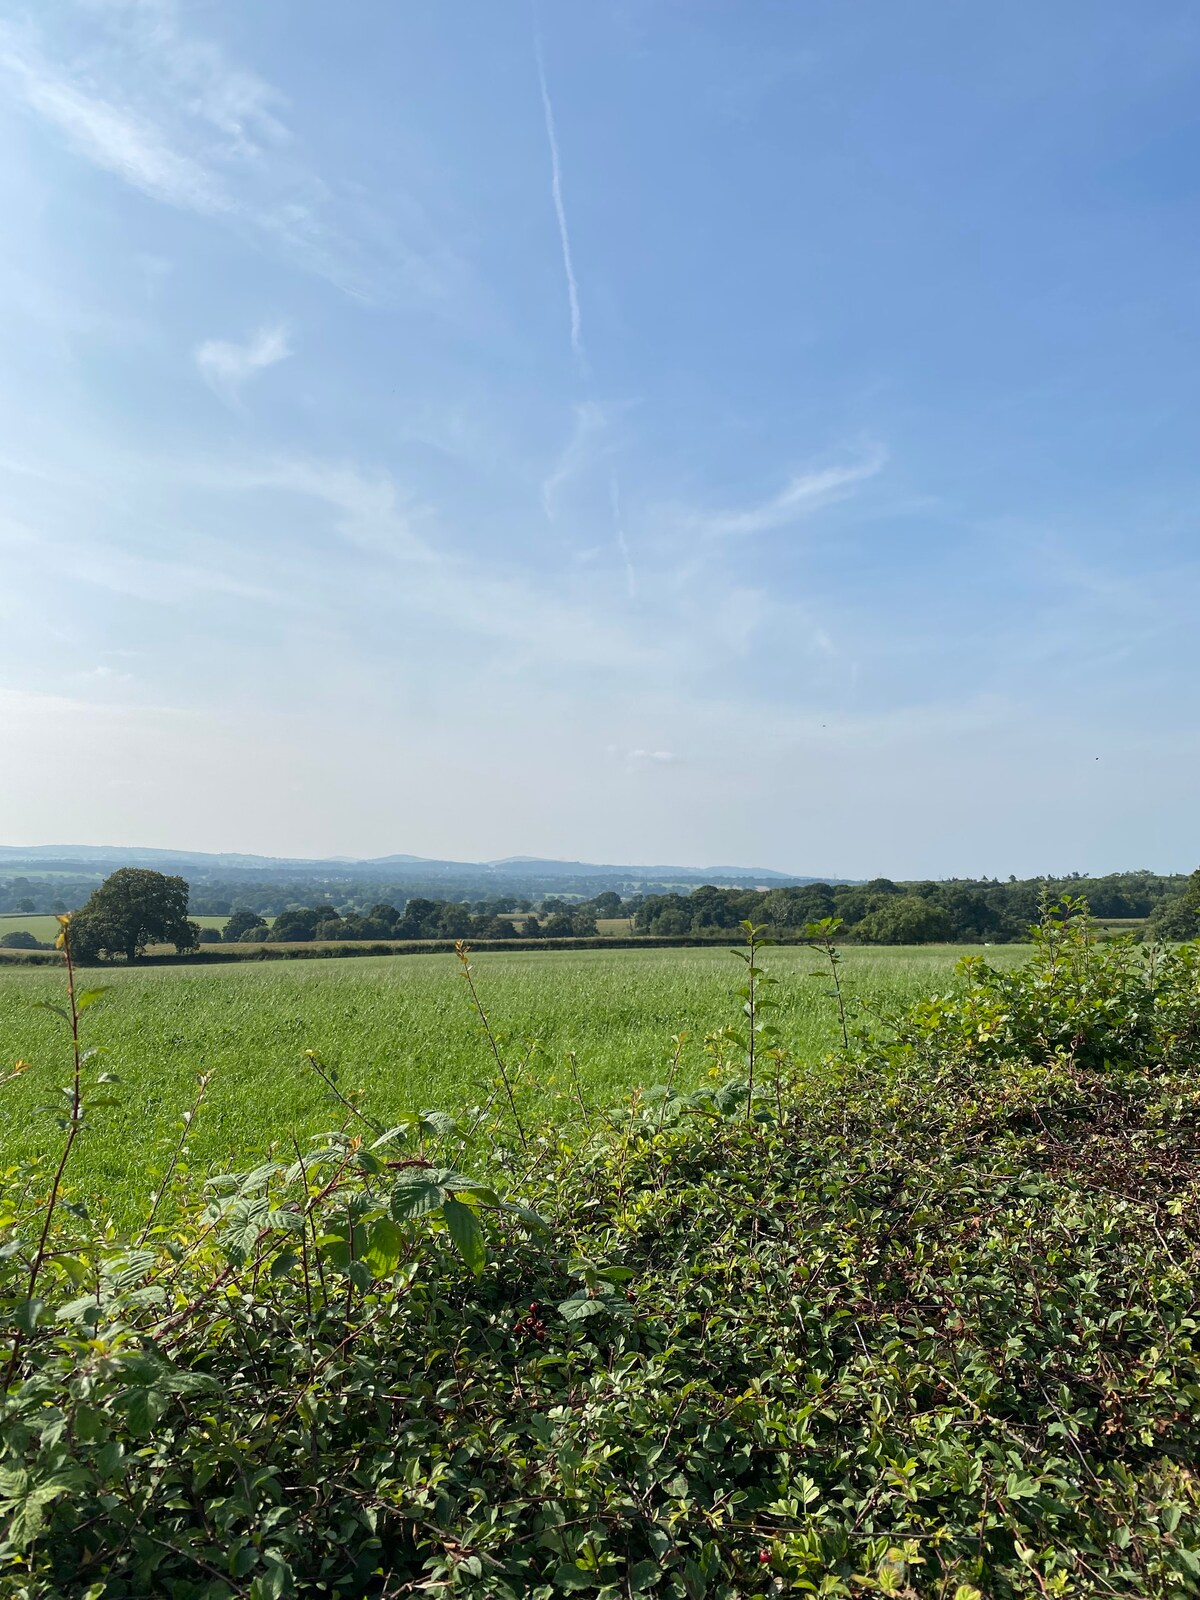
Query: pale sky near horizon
{"points": [[640, 431]]}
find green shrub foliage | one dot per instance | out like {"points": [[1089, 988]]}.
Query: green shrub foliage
{"points": [[919, 1320]]}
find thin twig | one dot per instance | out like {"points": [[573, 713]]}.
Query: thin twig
{"points": [[72, 1134], [188, 1118], [463, 951], [318, 1067]]}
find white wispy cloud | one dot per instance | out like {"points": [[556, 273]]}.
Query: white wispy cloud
{"points": [[577, 455], [586, 449], [225, 366], [804, 493], [114, 138], [369, 510], [560, 210], [420, 571], [173, 117]]}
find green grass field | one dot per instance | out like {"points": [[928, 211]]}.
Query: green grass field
{"points": [[400, 1029], [44, 925]]}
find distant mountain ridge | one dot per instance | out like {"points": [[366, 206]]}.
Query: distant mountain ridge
{"points": [[101, 857]]}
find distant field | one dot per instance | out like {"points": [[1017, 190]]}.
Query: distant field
{"points": [[44, 927], [400, 1029]]}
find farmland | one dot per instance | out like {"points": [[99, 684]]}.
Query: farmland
{"points": [[755, 1339], [43, 925], [403, 1033]]}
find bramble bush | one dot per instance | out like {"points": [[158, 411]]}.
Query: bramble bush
{"points": [[919, 1321]]}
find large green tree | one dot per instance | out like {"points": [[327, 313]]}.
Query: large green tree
{"points": [[130, 910], [240, 922], [1179, 916], [904, 919]]}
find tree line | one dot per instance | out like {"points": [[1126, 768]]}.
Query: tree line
{"points": [[973, 911], [136, 907], [418, 918]]}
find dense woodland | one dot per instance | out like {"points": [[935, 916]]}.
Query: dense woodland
{"points": [[967, 911], [878, 912]]}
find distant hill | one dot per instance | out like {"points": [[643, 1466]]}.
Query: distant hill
{"points": [[511, 874]]}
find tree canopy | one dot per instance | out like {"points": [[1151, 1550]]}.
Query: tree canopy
{"points": [[131, 909]]}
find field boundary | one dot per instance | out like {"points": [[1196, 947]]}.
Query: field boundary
{"points": [[311, 950], [213, 955]]}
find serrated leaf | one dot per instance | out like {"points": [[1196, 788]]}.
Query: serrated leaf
{"points": [[414, 1195], [285, 1221]]}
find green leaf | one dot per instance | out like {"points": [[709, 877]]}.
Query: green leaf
{"points": [[414, 1195], [284, 1264], [694, 1581], [46, 1005], [284, 1221], [580, 1306], [531, 1219], [572, 1579], [90, 996], [28, 1314], [143, 1408], [385, 1247], [85, 1309], [457, 1184], [464, 1229], [26, 1507], [400, 1131], [436, 1123]]}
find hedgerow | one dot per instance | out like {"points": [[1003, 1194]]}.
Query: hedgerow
{"points": [[918, 1320]]}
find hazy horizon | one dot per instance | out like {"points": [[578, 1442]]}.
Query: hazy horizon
{"points": [[399, 859], [624, 433]]}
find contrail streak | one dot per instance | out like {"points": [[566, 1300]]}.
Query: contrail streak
{"points": [[559, 208], [622, 543]]}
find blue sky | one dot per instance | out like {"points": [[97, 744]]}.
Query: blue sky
{"points": [[626, 431]]}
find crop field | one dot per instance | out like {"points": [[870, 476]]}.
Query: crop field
{"points": [[402, 1031]]}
